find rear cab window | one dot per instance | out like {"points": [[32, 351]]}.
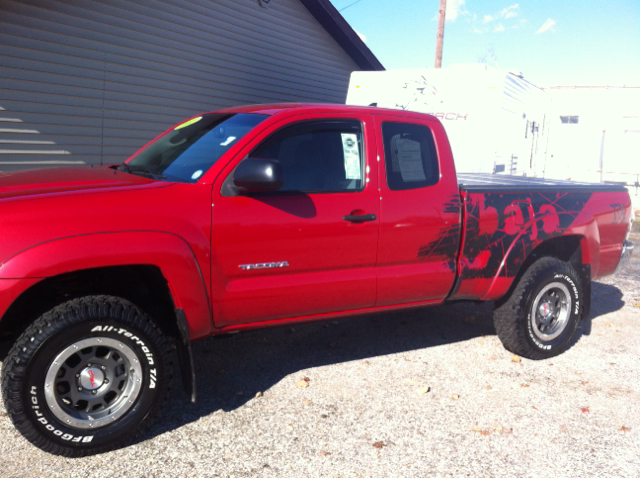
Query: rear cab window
{"points": [[410, 155]]}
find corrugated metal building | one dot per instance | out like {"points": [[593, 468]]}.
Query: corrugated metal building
{"points": [[84, 81]]}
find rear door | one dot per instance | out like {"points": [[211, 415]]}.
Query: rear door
{"points": [[310, 247], [419, 211]]}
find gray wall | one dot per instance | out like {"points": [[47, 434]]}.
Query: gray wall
{"points": [[90, 82]]}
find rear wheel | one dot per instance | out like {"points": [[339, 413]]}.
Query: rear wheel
{"points": [[540, 317], [86, 377]]}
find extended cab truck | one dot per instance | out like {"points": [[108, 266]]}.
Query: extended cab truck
{"points": [[266, 215]]}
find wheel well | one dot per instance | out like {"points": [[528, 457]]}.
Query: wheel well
{"points": [[565, 248], [143, 285]]}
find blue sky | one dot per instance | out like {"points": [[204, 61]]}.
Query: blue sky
{"points": [[559, 42]]}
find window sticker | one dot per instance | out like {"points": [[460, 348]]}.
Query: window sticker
{"points": [[188, 122], [409, 160], [197, 175], [351, 156], [228, 141]]}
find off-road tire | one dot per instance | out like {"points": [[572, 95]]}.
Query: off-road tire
{"points": [[515, 319], [34, 360]]}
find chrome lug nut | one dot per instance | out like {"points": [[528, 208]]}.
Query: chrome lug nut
{"points": [[79, 388], [94, 392]]}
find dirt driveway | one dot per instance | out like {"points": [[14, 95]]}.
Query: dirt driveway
{"points": [[424, 392]]}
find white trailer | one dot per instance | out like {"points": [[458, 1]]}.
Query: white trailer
{"points": [[497, 122]]}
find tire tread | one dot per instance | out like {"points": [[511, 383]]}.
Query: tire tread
{"points": [[509, 318], [54, 321]]}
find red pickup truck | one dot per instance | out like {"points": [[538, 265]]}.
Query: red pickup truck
{"points": [[267, 215]]}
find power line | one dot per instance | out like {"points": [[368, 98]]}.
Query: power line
{"points": [[350, 5]]}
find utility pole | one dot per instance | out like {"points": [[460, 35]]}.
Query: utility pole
{"points": [[440, 35]]}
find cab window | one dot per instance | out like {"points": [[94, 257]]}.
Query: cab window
{"points": [[317, 156], [409, 155]]}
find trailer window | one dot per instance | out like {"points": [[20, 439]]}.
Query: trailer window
{"points": [[569, 118], [410, 155]]}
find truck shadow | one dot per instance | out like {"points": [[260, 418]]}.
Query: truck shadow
{"points": [[232, 369]]}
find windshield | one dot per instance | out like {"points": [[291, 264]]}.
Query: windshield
{"points": [[189, 149]]}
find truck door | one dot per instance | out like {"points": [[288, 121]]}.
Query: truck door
{"points": [[419, 211], [310, 247]]}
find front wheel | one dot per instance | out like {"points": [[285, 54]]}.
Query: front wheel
{"points": [[540, 316], [86, 377]]}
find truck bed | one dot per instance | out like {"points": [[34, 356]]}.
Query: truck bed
{"points": [[476, 182]]}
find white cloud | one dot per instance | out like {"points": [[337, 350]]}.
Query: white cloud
{"points": [[455, 8], [549, 22], [510, 11], [507, 12], [505, 15]]}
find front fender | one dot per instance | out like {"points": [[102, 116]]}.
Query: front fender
{"points": [[167, 251]]}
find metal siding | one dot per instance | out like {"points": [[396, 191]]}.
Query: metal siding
{"points": [[88, 81]]}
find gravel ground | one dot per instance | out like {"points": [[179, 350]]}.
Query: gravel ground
{"points": [[423, 392]]}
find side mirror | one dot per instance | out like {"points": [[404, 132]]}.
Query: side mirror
{"points": [[258, 175]]}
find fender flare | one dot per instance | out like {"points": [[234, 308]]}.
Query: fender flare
{"points": [[167, 251]]}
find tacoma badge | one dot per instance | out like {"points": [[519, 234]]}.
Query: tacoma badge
{"points": [[274, 264]]}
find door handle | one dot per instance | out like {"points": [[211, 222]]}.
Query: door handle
{"points": [[359, 218]]}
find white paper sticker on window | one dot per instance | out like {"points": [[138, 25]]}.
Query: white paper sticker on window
{"points": [[351, 156], [228, 141], [410, 160]]}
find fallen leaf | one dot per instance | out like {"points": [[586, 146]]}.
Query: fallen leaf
{"points": [[307, 401], [488, 387], [470, 319], [637, 305], [424, 389], [497, 427], [584, 382], [484, 432], [625, 428], [515, 358], [324, 453], [378, 444], [258, 394], [506, 430], [455, 396], [524, 385], [492, 358], [608, 324], [584, 408], [302, 382]]}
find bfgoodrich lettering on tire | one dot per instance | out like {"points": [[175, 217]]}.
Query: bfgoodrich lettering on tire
{"points": [[540, 317], [86, 377]]}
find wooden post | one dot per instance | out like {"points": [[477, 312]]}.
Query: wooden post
{"points": [[440, 34]]}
